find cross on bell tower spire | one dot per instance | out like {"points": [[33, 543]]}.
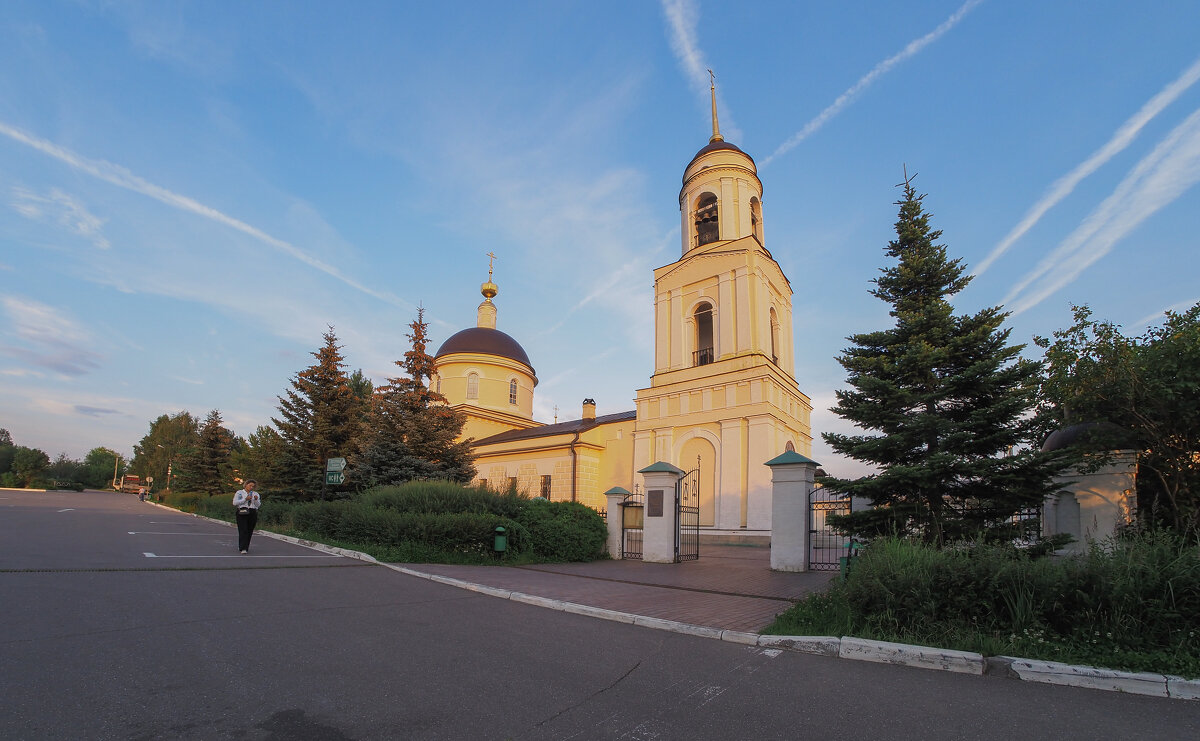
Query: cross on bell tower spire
{"points": [[712, 88]]}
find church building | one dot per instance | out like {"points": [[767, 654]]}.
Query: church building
{"points": [[722, 397]]}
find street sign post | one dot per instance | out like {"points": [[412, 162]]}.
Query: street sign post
{"points": [[335, 477], [335, 464]]}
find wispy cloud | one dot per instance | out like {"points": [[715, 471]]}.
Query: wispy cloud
{"points": [[1180, 306], [89, 411], [623, 275], [47, 338], [63, 209], [123, 178], [1119, 141], [1157, 180], [846, 98], [682, 16]]}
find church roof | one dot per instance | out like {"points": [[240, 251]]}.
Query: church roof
{"points": [[562, 428], [715, 147], [485, 341]]}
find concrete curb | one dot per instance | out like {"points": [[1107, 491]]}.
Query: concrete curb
{"points": [[855, 649], [925, 657], [1091, 677]]}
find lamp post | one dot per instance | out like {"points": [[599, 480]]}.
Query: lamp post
{"points": [[170, 456]]}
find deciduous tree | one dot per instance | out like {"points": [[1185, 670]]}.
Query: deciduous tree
{"points": [[1148, 389], [169, 444]]}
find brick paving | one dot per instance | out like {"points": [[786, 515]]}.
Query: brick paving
{"points": [[730, 587]]}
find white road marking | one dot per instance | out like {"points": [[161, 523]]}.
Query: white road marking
{"points": [[68, 509], [147, 532], [771, 652], [239, 555]]}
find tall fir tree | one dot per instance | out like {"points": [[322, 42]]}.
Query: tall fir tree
{"points": [[412, 434], [318, 419], [206, 467], [260, 457], [951, 402]]}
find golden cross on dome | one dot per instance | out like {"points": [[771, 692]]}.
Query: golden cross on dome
{"points": [[491, 260]]}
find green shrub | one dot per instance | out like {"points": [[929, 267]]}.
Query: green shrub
{"points": [[319, 517], [1132, 603], [430, 521], [563, 531], [187, 501], [443, 497]]}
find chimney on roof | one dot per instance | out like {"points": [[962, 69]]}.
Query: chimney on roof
{"points": [[589, 408]]}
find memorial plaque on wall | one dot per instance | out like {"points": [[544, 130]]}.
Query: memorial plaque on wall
{"points": [[654, 503]]}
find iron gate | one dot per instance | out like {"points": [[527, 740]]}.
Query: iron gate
{"points": [[687, 511], [632, 511], [826, 547]]}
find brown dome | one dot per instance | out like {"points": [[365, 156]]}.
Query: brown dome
{"points": [[487, 342]]}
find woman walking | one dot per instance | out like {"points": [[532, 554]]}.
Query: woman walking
{"points": [[247, 502]]}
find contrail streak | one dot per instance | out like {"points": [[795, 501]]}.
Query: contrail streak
{"points": [[1156, 181], [880, 69], [1119, 141], [123, 178]]}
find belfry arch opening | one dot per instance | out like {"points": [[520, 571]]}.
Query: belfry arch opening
{"points": [[703, 354], [707, 227]]}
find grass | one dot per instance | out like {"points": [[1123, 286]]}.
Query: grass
{"points": [[1131, 604]]}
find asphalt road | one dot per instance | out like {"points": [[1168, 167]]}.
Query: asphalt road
{"points": [[126, 621]]}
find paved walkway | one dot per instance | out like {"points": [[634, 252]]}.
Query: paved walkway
{"points": [[729, 587]]}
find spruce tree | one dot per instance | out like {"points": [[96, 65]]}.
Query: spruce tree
{"points": [[207, 467], [318, 419], [412, 434], [950, 402]]}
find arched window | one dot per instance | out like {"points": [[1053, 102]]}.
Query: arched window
{"points": [[774, 336], [512, 391], [707, 228], [756, 219], [703, 355], [789, 447], [473, 386], [439, 384]]}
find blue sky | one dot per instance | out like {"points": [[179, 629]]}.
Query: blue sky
{"points": [[190, 192]]}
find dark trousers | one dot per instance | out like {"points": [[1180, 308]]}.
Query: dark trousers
{"points": [[246, 524]]}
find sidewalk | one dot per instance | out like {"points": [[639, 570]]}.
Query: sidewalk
{"points": [[728, 587]]}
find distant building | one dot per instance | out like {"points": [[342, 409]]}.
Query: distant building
{"points": [[723, 395]]}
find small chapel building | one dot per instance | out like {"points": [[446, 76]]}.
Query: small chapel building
{"points": [[723, 396]]}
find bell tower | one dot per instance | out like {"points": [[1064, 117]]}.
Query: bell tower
{"points": [[723, 389]]}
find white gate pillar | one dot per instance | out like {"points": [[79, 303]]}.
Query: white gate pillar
{"points": [[613, 519], [791, 484], [661, 523]]}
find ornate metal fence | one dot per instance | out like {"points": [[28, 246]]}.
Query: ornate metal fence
{"points": [[633, 509], [687, 508], [826, 547]]}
